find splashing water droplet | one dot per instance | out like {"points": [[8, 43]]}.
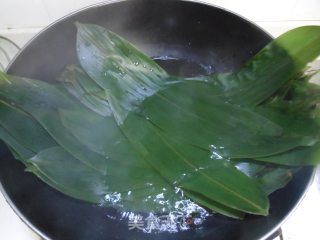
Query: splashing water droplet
{"points": [[112, 198], [160, 196]]}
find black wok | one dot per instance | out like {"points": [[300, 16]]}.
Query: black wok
{"points": [[201, 39]]}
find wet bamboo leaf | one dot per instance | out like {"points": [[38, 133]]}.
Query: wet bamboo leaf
{"points": [[74, 79], [276, 64], [271, 177], [105, 55], [214, 124], [42, 101], [124, 133], [138, 186]]}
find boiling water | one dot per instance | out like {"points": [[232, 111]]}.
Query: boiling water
{"points": [[183, 67]]}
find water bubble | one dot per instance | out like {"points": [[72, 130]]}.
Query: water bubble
{"points": [[112, 198], [215, 155], [111, 217], [176, 221], [160, 196]]}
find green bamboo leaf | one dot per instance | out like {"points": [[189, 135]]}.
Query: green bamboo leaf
{"points": [[16, 129], [140, 188], [102, 135], [193, 170], [84, 183], [105, 55], [190, 113], [42, 101], [215, 206], [299, 97], [84, 130], [299, 156], [277, 63], [88, 57], [74, 79], [20, 152], [26, 129], [24, 154], [270, 177], [261, 132], [296, 111], [183, 143]]}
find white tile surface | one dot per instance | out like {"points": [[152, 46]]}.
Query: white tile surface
{"points": [[59, 8], [306, 10], [39, 13], [26, 18], [274, 10], [23, 14], [276, 28], [303, 224], [11, 227]]}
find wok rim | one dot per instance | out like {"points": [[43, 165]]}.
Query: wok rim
{"points": [[42, 234]]}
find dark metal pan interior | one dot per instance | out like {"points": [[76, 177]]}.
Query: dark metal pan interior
{"points": [[204, 38]]}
